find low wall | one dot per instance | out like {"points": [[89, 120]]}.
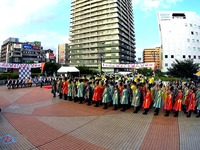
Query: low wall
{"points": [[2, 82]]}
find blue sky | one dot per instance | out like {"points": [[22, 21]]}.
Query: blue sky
{"points": [[48, 21]]}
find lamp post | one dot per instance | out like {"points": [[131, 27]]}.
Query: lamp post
{"points": [[101, 59]]}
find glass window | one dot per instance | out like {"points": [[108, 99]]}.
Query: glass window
{"points": [[172, 56], [166, 56], [166, 64], [188, 40], [192, 32], [189, 56], [194, 57], [183, 56]]}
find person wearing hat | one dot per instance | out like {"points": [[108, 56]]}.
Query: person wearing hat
{"points": [[136, 100], [178, 102], [124, 98], [158, 100], [59, 87], [115, 97], [80, 91], [168, 102], [198, 101], [147, 101], [96, 95], [192, 99], [106, 96], [65, 88]]}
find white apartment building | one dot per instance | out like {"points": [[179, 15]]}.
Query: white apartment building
{"points": [[180, 37], [101, 30]]}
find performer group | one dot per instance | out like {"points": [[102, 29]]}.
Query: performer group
{"points": [[136, 92]]}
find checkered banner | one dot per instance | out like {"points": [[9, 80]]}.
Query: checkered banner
{"points": [[12, 65], [24, 72]]}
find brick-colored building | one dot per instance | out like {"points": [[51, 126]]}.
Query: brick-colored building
{"points": [[153, 55]]}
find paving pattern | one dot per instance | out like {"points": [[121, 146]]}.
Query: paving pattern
{"points": [[31, 119]]}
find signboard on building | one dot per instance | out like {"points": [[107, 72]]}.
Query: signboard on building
{"points": [[27, 46], [17, 45], [37, 43]]}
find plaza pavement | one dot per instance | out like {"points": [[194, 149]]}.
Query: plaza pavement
{"points": [[32, 119]]}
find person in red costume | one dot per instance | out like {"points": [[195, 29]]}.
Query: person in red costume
{"points": [[168, 102], [178, 102], [147, 101], [97, 92], [65, 88], [192, 100]]}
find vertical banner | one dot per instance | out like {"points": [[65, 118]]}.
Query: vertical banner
{"points": [[42, 69]]}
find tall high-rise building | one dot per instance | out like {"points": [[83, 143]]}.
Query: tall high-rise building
{"points": [[180, 37], [101, 30], [62, 54]]}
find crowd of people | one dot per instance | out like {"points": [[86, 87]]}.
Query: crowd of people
{"points": [[28, 82], [131, 92]]}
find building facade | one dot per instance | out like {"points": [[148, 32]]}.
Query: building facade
{"points": [[13, 51], [153, 55], [180, 37], [62, 54], [101, 30]]}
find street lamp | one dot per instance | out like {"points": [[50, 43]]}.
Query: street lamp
{"points": [[101, 59]]}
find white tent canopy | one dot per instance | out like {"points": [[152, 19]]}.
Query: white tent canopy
{"points": [[64, 69]]}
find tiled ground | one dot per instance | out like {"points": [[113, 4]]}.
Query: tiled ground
{"points": [[36, 121]]}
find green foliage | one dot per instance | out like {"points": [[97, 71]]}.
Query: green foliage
{"points": [[86, 70], [183, 69], [159, 73], [145, 71], [50, 68], [4, 76]]}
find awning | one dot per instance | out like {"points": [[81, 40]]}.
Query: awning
{"points": [[64, 69]]}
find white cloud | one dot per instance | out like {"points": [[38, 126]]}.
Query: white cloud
{"points": [[147, 5], [16, 15]]}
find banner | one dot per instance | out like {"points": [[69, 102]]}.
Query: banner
{"points": [[135, 66], [11, 65]]}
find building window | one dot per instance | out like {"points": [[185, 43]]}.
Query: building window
{"points": [[192, 32], [196, 33], [194, 57], [193, 40], [188, 40], [194, 48], [198, 57], [166, 56], [190, 25], [166, 64], [172, 56], [189, 56], [183, 56]]}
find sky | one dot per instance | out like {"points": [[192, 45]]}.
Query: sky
{"points": [[48, 21]]}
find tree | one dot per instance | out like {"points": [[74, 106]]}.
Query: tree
{"points": [[145, 71], [50, 68], [183, 69]]}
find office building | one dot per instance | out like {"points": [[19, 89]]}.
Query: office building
{"points": [[153, 55], [180, 37], [101, 31], [62, 54]]}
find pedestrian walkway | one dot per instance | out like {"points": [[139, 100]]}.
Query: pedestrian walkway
{"points": [[32, 119]]}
